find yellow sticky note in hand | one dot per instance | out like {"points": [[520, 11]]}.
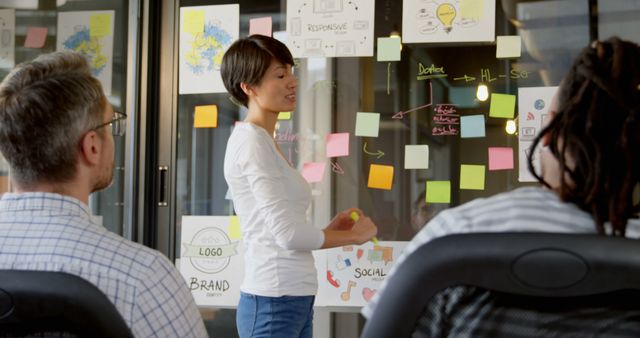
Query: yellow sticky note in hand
{"points": [[284, 115], [355, 217], [234, 228], [193, 21], [380, 176], [100, 25], [206, 117]]}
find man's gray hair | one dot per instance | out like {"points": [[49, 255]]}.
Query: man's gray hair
{"points": [[46, 105]]}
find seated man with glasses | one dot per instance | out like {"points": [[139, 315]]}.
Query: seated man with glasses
{"points": [[53, 115]]}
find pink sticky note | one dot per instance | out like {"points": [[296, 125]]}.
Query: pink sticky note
{"points": [[337, 144], [500, 158], [260, 26], [36, 37], [313, 171]]}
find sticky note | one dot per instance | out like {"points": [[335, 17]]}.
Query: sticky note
{"points": [[472, 177], [508, 46], [36, 37], [380, 176], [500, 158], [416, 156], [193, 21], [389, 49], [438, 192], [100, 25], [313, 171], [260, 26], [472, 126], [502, 106], [367, 124], [234, 228], [472, 9], [206, 117], [284, 115], [337, 145]]}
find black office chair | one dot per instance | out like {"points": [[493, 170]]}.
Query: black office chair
{"points": [[33, 302], [550, 280]]}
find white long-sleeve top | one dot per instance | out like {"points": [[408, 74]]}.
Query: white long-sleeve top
{"points": [[271, 199]]}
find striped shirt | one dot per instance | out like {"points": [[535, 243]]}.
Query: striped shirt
{"points": [[527, 209], [51, 232]]}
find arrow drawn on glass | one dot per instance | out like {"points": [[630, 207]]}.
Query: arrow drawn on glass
{"points": [[400, 115], [379, 153]]}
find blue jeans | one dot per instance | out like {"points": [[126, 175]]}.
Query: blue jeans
{"points": [[270, 317]]}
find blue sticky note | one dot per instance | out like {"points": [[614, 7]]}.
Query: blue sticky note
{"points": [[472, 126], [389, 49]]}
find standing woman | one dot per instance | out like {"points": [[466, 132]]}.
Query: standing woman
{"points": [[271, 198]]}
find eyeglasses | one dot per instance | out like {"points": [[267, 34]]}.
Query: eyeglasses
{"points": [[118, 124]]}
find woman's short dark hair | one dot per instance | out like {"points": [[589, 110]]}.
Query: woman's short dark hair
{"points": [[247, 60], [46, 105], [595, 134]]}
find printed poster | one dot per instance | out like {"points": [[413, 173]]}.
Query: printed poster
{"points": [[533, 112], [330, 28], [90, 33], [7, 38], [211, 260], [448, 21], [351, 275], [206, 32]]}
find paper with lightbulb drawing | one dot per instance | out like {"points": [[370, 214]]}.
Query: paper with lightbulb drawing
{"points": [[533, 112], [351, 275], [448, 21], [329, 28]]}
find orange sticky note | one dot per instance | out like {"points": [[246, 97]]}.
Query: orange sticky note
{"points": [[206, 117], [380, 176]]}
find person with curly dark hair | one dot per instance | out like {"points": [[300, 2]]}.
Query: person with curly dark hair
{"points": [[590, 170]]}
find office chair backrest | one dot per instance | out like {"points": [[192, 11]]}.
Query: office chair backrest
{"points": [[43, 301], [526, 264]]}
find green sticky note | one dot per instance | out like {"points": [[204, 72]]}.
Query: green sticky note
{"points": [[367, 124], [389, 49], [472, 9], [284, 115], [438, 192], [502, 105], [472, 177], [193, 21], [100, 25]]}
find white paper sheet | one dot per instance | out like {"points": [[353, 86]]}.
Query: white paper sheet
{"points": [[330, 28], [7, 38], [448, 21], [211, 262], [74, 33], [533, 112], [201, 53]]}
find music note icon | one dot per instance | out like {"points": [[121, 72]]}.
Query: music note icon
{"points": [[347, 294]]}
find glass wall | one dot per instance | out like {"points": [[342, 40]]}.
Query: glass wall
{"points": [[30, 28], [420, 99]]}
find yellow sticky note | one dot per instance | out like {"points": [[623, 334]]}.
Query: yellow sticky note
{"points": [[472, 177], [193, 21], [284, 115], [100, 25], [502, 105], [508, 46], [380, 176], [472, 9], [438, 192], [234, 228], [206, 117]]}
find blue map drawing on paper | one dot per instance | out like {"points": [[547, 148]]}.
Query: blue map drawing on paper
{"points": [[207, 48], [81, 41]]}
